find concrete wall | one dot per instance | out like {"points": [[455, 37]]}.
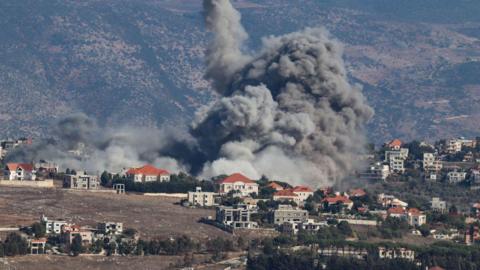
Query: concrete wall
{"points": [[360, 222], [39, 184]]}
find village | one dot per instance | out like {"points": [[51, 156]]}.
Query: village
{"points": [[357, 221]]}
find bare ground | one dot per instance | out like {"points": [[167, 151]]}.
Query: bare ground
{"points": [[151, 216]]}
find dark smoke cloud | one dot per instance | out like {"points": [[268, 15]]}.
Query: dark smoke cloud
{"points": [[287, 112]]}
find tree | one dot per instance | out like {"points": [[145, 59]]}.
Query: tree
{"points": [[345, 228], [76, 247], [105, 179], [39, 229], [15, 245]]}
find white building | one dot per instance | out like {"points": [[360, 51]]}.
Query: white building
{"points": [[110, 228], [53, 226], [415, 217], [19, 172], [456, 177], [81, 180], [396, 159], [428, 160], [238, 183], [438, 205], [148, 173], [201, 198], [456, 145], [303, 192], [376, 171]]}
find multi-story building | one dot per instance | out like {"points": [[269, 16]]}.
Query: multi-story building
{"points": [[53, 226], [415, 217], [148, 173], [81, 180], [438, 205], [288, 213], [19, 172], [428, 159], [309, 226], [69, 232], [201, 198], [303, 192], [396, 159], [475, 179], [286, 195], [110, 227], [376, 171], [236, 217], [37, 246], [237, 182], [341, 201], [455, 177]]}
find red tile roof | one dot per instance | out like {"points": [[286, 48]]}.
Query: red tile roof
{"points": [[396, 211], [275, 186], [357, 192], [302, 189], [147, 170], [336, 199], [40, 240], [285, 193], [23, 166], [395, 143], [414, 211], [237, 177]]}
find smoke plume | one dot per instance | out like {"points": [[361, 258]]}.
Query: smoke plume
{"points": [[287, 112], [82, 145]]}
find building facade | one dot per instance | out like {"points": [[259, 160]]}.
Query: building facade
{"points": [[238, 183], [148, 173], [81, 180]]}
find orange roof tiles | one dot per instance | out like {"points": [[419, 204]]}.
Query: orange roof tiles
{"points": [[237, 177], [396, 211], [336, 199], [357, 192], [302, 189], [285, 193], [275, 186], [147, 170], [23, 166], [395, 143]]}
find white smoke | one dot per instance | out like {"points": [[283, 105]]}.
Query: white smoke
{"points": [[288, 113]]}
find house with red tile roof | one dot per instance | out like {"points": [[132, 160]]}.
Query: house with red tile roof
{"points": [[395, 144], [357, 193], [239, 183], [286, 195], [397, 212], [338, 200], [415, 217], [275, 186], [303, 192], [19, 172], [148, 173], [37, 246]]}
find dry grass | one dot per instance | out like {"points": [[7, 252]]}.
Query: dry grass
{"points": [[151, 216]]}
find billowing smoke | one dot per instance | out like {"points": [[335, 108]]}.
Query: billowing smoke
{"points": [[287, 112], [81, 144]]}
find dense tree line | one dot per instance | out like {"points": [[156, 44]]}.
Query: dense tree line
{"points": [[179, 183], [13, 245]]}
